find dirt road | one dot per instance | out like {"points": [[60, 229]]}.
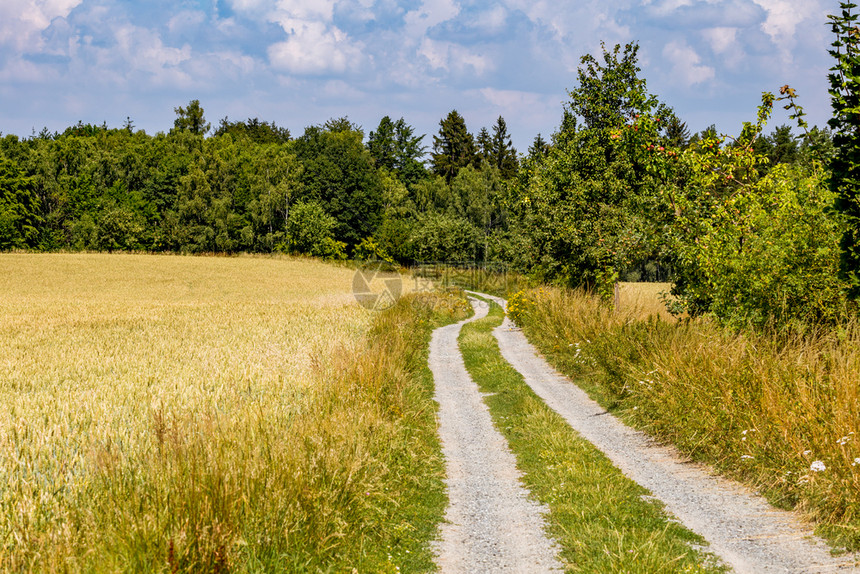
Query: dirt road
{"points": [[491, 526]]}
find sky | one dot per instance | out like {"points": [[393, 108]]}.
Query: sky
{"points": [[301, 62]]}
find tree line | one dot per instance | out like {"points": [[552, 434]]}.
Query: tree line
{"points": [[250, 186], [756, 227]]}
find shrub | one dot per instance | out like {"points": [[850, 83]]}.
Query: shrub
{"points": [[310, 231]]}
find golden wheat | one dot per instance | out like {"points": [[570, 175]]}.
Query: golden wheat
{"points": [[163, 412]]}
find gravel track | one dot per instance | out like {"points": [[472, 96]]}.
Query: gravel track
{"points": [[491, 525], [740, 526]]}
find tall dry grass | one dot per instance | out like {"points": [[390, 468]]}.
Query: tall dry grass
{"points": [[782, 413], [166, 414]]}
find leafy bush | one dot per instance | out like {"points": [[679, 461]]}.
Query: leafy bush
{"points": [[310, 231], [438, 237], [370, 250], [749, 250]]}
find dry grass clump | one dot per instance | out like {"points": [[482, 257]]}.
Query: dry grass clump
{"points": [[782, 413], [208, 415], [644, 299]]}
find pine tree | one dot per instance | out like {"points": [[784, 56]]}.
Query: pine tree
{"points": [[409, 154], [845, 165], [395, 147], [677, 133], [539, 147], [503, 155], [382, 144], [453, 148], [485, 145]]}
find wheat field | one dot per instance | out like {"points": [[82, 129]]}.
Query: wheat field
{"points": [[164, 413]]}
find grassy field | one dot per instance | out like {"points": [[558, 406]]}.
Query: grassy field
{"points": [[163, 414], [781, 413]]}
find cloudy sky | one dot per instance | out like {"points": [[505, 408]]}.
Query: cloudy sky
{"points": [[300, 62]]}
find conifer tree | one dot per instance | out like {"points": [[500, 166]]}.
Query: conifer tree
{"points": [[677, 133], [485, 145], [539, 147], [845, 165], [409, 154], [453, 148], [395, 147], [382, 144], [503, 155]]}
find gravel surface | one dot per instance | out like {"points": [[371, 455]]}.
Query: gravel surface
{"points": [[491, 525], [740, 526]]}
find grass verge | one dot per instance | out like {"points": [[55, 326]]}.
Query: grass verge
{"points": [[602, 520], [781, 414]]}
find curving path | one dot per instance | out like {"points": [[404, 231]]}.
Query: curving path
{"points": [[491, 525], [740, 526]]}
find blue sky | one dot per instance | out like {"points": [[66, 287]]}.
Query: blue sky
{"points": [[300, 62]]}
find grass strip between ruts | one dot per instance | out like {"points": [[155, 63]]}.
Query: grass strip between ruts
{"points": [[602, 520]]}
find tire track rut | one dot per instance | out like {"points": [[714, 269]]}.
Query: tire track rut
{"points": [[491, 525]]}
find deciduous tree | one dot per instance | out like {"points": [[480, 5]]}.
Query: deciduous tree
{"points": [[191, 119]]}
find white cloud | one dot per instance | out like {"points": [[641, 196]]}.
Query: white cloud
{"points": [[250, 5], [144, 50], [306, 9], [314, 44], [725, 43], [452, 57], [216, 66], [21, 21], [783, 17], [314, 48], [513, 100], [339, 90], [721, 39], [493, 19], [134, 55], [583, 22], [432, 13], [187, 20], [669, 6], [686, 64], [24, 71]]}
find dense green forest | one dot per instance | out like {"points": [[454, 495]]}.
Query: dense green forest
{"points": [[250, 186], [755, 227]]}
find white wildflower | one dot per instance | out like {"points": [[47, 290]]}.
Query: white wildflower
{"points": [[856, 462], [817, 466], [746, 457]]}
